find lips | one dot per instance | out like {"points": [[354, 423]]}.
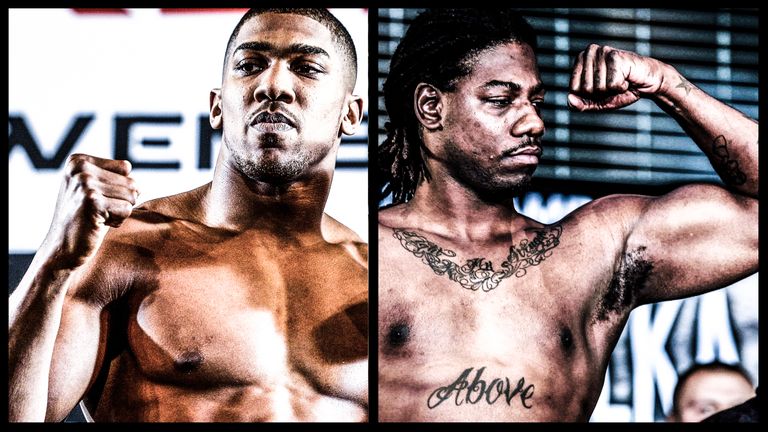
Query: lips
{"points": [[524, 151], [527, 154], [272, 122]]}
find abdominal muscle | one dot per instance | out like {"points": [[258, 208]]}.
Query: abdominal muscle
{"points": [[137, 398]]}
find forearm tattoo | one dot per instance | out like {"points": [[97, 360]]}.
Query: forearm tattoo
{"points": [[729, 168], [685, 85], [478, 273], [477, 391]]}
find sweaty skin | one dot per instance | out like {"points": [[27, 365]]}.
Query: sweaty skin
{"points": [[463, 338], [240, 300]]}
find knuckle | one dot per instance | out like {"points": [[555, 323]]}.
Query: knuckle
{"points": [[91, 194], [120, 210], [91, 199], [75, 157], [84, 179], [76, 164], [126, 207], [131, 184]]}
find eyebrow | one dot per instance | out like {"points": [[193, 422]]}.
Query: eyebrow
{"points": [[513, 86], [297, 48]]}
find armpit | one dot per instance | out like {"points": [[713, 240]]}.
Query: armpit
{"points": [[627, 281]]}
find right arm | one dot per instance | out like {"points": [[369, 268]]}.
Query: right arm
{"points": [[95, 194]]}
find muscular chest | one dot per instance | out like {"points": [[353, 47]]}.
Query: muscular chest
{"points": [[533, 324], [431, 317], [249, 317], [539, 286]]}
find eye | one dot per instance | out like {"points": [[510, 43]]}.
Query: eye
{"points": [[499, 102], [308, 69], [707, 409], [249, 66], [537, 104]]}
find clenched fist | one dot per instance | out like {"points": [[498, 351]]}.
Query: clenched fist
{"points": [[95, 194], [608, 78]]}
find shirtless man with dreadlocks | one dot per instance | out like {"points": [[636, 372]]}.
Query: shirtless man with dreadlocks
{"points": [[488, 315]]}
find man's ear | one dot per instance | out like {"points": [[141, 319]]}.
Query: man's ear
{"points": [[214, 102], [354, 115], [428, 106]]}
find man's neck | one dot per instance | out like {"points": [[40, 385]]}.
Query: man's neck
{"points": [[235, 202], [454, 210]]}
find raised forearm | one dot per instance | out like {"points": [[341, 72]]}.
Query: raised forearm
{"points": [[34, 315], [728, 137]]}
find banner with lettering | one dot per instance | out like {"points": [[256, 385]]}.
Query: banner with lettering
{"points": [[134, 84]]}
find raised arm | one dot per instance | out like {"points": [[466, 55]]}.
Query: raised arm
{"points": [[55, 328], [698, 237]]}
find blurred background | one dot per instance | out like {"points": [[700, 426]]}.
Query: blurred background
{"points": [[133, 84], [638, 149]]}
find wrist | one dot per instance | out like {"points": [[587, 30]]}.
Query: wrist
{"points": [[673, 87], [54, 260]]}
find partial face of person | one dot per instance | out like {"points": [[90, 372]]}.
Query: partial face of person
{"points": [[283, 97], [709, 392], [492, 127]]}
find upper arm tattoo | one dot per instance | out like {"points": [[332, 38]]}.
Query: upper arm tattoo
{"points": [[729, 168], [478, 273]]}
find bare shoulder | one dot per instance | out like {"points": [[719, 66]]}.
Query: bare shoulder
{"points": [[337, 233], [613, 213], [152, 218], [128, 251], [392, 217]]}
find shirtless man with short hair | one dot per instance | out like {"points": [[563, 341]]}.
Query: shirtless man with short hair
{"points": [[486, 314], [705, 389], [236, 301]]}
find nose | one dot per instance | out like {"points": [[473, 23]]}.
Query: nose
{"points": [[529, 123], [275, 84]]}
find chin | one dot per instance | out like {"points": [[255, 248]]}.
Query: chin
{"points": [[271, 170], [501, 190], [275, 174]]}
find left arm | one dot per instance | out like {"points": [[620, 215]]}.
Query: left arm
{"points": [[699, 237]]}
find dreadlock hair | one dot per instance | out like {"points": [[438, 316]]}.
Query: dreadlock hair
{"points": [[437, 49]]}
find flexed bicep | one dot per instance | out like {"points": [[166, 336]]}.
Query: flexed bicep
{"points": [[695, 239]]}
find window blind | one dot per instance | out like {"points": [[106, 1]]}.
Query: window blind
{"points": [[640, 145]]}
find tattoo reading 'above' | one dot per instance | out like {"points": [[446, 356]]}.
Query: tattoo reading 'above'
{"points": [[463, 391], [478, 273]]}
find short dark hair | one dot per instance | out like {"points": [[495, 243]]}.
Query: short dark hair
{"points": [[437, 49], [341, 36], [705, 367]]}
